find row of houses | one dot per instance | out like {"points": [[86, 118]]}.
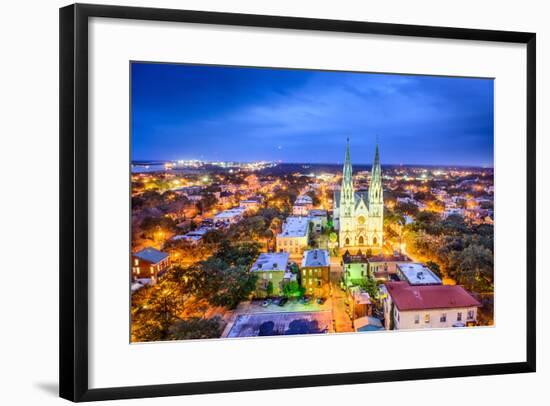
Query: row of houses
{"points": [[294, 237], [222, 219], [412, 295], [274, 270]]}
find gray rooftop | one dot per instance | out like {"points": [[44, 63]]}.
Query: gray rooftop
{"points": [[316, 257], [418, 274], [270, 261], [151, 254]]}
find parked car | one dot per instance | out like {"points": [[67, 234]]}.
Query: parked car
{"points": [[321, 300], [276, 301], [283, 301], [266, 302]]}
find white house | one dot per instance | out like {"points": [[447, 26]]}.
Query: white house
{"points": [[294, 237], [409, 306]]}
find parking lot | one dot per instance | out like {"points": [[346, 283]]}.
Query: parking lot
{"points": [[280, 323], [292, 305]]}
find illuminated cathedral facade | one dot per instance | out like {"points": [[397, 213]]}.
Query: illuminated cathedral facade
{"points": [[359, 215]]}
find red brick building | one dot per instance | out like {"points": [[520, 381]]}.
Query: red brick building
{"points": [[149, 263]]}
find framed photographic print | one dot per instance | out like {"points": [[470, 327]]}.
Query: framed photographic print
{"points": [[314, 202]]}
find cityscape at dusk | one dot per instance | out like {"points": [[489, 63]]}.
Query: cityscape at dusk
{"points": [[271, 202]]}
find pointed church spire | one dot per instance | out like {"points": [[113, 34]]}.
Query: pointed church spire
{"points": [[348, 159], [346, 192], [375, 187], [347, 175], [376, 164]]}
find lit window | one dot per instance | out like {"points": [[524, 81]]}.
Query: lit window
{"points": [[136, 262], [427, 318], [270, 275]]}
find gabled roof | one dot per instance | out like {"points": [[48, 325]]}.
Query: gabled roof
{"points": [[357, 197], [358, 258], [409, 297], [151, 254], [361, 201]]}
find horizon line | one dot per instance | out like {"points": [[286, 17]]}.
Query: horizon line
{"points": [[317, 163]]}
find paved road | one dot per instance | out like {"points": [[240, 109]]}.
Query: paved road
{"points": [[269, 324], [292, 306], [342, 321]]}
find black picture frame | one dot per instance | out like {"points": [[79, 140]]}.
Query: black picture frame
{"points": [[73, 78]]}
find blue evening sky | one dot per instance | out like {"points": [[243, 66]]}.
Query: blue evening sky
{"points": [[251, 114]]}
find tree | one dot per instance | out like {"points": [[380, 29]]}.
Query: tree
{"points": [[474, 268], [407, 208], [237, 254], [207, 202], [269, 288], [371, 287], [293, 289], [454, 225], [234, 285], [197, 328], [435, 268], [147, 199], [314, 199], [213, 237], [154, 310], [151, 225]]}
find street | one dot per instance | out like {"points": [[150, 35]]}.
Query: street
{"points": [[342, 321]]}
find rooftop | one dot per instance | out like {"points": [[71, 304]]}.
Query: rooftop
{"points": [[270, 261], [317, 213], [194, 235], [410, 297], [358, 258], [295, 227], [315, 258], [389, 258], [151, 254], [359, 295], [238, 211], [304, 199], [367, 324], [416, 273]]}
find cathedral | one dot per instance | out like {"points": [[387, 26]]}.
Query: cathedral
{"points": [[359, 215]]}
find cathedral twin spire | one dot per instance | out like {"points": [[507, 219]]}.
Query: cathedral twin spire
{"points": [[375, 187], [347, 194]]}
